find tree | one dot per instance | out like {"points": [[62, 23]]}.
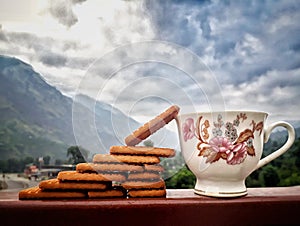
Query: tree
{"points": [[253, 179], [14, 165], [77, 154], [58, 162], [27, 160], [296, 152], [3, 166], [269, 176], [46, 160], [182, 179]]}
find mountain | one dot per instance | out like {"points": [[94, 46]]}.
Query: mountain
{"points": [[35, 117], [37, 120], [280, 136]]}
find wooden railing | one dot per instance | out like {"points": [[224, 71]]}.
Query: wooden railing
{"points": [[262, 206]]}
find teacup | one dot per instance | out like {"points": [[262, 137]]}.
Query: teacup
{"points": [[223, 148]]}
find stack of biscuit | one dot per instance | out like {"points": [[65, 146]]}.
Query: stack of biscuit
{"points": [[143, 177], [128, 171], [73, 184]]}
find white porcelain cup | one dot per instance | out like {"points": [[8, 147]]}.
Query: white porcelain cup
{"points": [[223, 148]]}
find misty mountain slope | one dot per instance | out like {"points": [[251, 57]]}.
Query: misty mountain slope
{"points": [[25, 96], [35, 118], [107, 117]]}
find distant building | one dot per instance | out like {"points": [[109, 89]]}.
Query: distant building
{"points": [[31, 171], [47, 171]]}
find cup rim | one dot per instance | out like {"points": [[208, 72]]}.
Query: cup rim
{"points": [[225, 111]]}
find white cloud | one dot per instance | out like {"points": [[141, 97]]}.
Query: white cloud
{"points": [[249, 46], [276, 92], [62, 38]]}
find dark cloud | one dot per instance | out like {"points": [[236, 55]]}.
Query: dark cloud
{"points": [[252, 47], [29, 41], [63, 11], [52, 59], [78, 1], [166, 17], [245, 38], [46, 50]]}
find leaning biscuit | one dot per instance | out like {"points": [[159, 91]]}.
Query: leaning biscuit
{"points": [[140, 150], [129, 159], [144, 184], [92, 167], [55, 184], [147, 193], [38, 193], [89, 177], [152, 126]]}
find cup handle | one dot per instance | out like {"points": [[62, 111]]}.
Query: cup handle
{"points": [[284, 148]]}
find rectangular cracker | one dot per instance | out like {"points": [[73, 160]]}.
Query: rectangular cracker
{"points": [[147, 193], [94, 167], [129, 159], [144, 176], [55, 184], [112, 193], [89, 177], [38, 193], [142, 150], [133, 185]]}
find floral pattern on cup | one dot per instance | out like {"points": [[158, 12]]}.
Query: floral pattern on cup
{"points": [[226, 144]]}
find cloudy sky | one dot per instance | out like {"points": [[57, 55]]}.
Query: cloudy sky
{"points": [[142, 56]]}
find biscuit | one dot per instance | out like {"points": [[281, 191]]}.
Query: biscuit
{"points": [[92, 167], [38, 193], [154, 168], [55, 184], [143, 176], [144, 184], [147, 193], [88, 177], [152, 126], [139, 150], [105, 158], [113, 193], [129, 159]]}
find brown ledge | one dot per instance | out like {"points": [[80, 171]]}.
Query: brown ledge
{"points": [[181, 207]]}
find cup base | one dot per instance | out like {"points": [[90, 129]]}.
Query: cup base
{"points": [[220, 194], [221, 189]]}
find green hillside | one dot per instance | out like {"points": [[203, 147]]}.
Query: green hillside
{"points": [[18, 139], [35, 118]]}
